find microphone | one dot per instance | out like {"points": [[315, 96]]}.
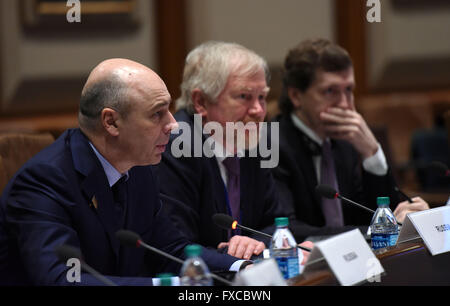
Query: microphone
{"points": [[439, 167], [226, 222], [132, 239], [65, 252], [330, 193]]}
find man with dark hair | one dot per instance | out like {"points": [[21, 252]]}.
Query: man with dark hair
{"points": [[324, 140], [92, 182]]}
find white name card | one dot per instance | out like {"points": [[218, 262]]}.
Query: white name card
{"points": [[432, 225], [264, 273], [349, 257]]}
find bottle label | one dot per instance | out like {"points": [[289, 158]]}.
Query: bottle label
{"points": [[288, 266], [383, 240]]}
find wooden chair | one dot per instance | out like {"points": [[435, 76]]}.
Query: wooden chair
{"points": [[16, 149]]}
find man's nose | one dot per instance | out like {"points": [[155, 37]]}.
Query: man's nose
{"points": [[257, 108], [345, 100], [171, 125]]}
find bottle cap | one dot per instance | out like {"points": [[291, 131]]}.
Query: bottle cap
{"points": [[282, 221], [383, 201], [193, 250], [166, 279]]}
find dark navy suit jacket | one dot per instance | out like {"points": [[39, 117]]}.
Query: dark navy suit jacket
{"points": [[296, 181], [197, 185], [49, 202]]}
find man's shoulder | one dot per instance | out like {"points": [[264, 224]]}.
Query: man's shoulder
{"points": [[287, 132], [182, 115], [290, 142], [182, 152], [283, 120]]}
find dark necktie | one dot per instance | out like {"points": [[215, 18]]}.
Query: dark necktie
{"points": [[331, 208], [233, 184], [119, 190]]}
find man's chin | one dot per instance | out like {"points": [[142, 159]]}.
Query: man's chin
{"points": [[155, 160], [249, 143]]}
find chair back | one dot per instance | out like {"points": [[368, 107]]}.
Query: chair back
{"points": [[16, 149]]}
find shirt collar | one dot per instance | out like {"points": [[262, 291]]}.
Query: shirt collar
{"points": [[111, 173], [305, 129], [219, 151]]}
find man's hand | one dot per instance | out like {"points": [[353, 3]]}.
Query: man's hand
{"points": [[306, 244], [349, 125], [243, 247], [405, 208]]}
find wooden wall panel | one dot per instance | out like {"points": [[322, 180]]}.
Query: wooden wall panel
{"points": [[351, 35], [172, 43]]}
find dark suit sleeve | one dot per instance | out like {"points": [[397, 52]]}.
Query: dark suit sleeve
{"points": [[296, 203], [380, 186], [361, 186], [300, 229], [39, 216], [365, 189]]}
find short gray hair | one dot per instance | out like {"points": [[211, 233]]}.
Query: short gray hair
{"points": [[210, 64], [109, 92]]}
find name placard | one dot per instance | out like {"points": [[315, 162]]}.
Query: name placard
{"points": [[432, 225], [349, 257]]}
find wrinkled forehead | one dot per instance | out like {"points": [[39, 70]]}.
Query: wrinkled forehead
{"points": [[249, 82], [149, 92]]}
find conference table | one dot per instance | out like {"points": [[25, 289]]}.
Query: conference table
{"points": [[406, 264]]}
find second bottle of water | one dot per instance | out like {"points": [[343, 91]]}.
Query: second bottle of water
{"points": [[283, 248], [194, 271], [384, 228]]}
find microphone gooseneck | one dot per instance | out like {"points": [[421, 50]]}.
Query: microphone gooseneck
{"points": [[132, 239], [329, 192]]}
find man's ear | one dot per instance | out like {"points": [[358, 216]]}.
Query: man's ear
{"points": [[109, 118], [295, 95], [199, 100]]}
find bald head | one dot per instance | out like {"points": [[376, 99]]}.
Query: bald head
{"points": [[110, 85]]}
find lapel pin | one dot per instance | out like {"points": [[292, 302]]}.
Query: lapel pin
{"points": [[94, 202]]}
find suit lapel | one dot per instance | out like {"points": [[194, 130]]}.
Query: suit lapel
{"points": [[217, 183], [220, 194], [304, 161], [140, 195], [245, 194], [95, 185], [219, 187]]}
